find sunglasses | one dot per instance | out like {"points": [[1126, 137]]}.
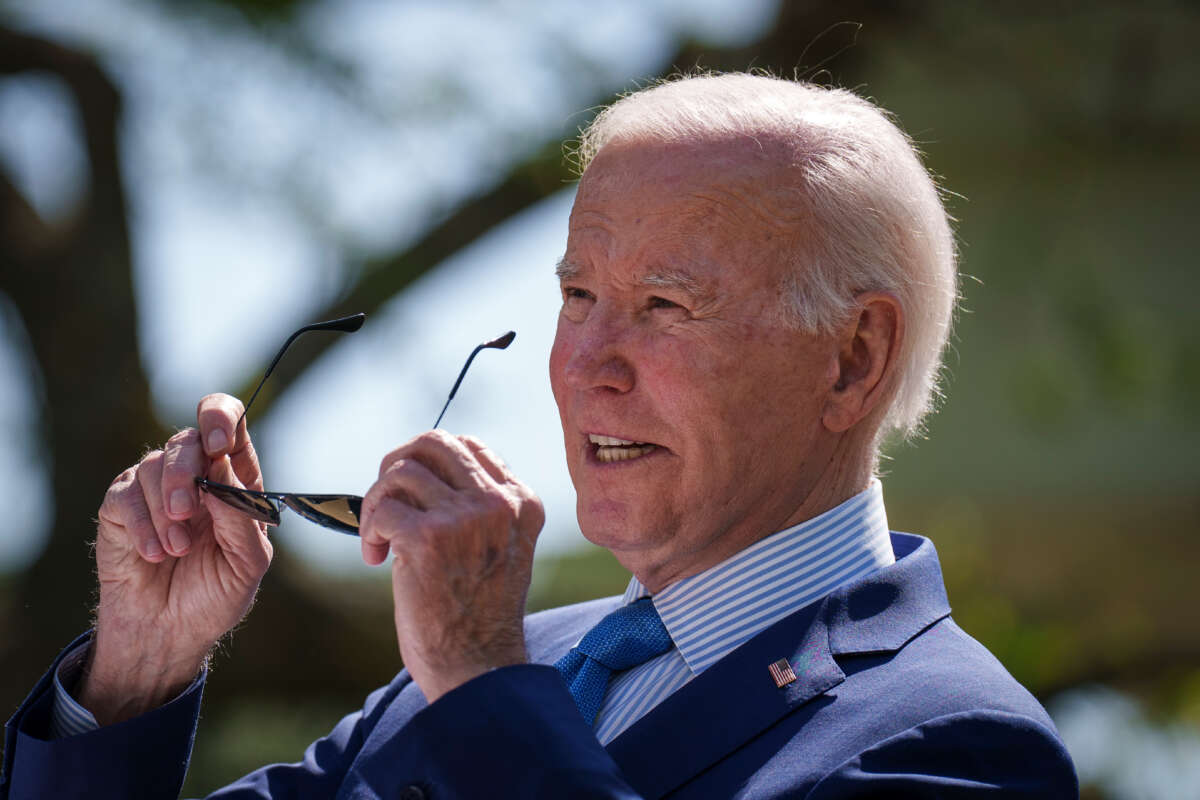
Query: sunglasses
{"points": [[338, 512]]}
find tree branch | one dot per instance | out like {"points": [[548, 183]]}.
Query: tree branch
{"points": [[382, 279], [797, 33]]}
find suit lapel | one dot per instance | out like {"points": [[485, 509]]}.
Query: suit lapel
{"points": [[737, 698], [726, 705]]}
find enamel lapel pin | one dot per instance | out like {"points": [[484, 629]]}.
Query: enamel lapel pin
{"points": [[781, 672]]}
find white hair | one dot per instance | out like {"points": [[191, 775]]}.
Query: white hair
{"points": [[873, 217]]}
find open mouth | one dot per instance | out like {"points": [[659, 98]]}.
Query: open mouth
{"points": [[609, 448]]}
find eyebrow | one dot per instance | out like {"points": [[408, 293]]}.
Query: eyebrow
{"points": [[675, 279], [566, 270]]}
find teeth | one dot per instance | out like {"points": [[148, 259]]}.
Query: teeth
{"points": [[608, 441], [608, 454], [610, 448]]}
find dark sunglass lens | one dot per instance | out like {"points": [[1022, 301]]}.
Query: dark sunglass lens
{"points": [[253, 505], [336, 511]]}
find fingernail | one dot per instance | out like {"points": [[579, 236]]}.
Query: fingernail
{"points": [[153, 549], [217, 441], [181, 501], [180, 541]]}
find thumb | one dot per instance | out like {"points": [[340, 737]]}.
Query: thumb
{"points": [[235, 521]]}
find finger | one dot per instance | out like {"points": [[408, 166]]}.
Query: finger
{"points": [[389, 518], [244, 461], [127, 515], [223, 430], [491, 462], [533, 513], [373, 554], [243, 540], [407, 482], [183, 461], [217, 417], [172, 535], [393, 504], [444, 455], [415, 483]]}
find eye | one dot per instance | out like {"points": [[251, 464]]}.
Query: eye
{"points": [[662, 302], [576, 303]]}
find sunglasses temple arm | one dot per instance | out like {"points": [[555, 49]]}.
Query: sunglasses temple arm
{"points": [[458, 383], [347, 324]]}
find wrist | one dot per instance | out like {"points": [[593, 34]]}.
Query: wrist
{"points": [[435, 681], [120, 682]]}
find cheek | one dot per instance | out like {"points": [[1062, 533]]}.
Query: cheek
{"points": [[758, 390], [559, 355], [702, 377]]}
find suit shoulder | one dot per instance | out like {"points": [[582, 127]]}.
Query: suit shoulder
{"points": [[944, 671], [963, 752]]}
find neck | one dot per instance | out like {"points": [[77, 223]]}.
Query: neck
{"points": [[849, 470], [846, 471]]}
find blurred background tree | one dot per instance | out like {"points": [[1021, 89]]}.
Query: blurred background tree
{"points": [[360, 149]]}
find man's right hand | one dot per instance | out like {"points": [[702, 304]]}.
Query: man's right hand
{"points": [[177, 567]]}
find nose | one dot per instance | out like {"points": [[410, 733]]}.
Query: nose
{"points": [[595, 353]]}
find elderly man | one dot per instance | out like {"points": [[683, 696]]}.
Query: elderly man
{"points": [[758, 283]]}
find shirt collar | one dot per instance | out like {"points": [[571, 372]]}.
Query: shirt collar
{"points": [[713, 612]]}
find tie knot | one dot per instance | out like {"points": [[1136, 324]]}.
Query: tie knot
{"points": [[629, 636]]}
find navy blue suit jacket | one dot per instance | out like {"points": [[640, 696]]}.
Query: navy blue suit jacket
{"points": [[892, 699]]}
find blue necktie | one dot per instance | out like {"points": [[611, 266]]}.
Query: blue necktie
{"points": [[629, 636]]}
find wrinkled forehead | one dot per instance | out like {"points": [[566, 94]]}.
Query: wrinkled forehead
{"points": [[727, 186], [723, 198], [691, 164], [737, 181]]}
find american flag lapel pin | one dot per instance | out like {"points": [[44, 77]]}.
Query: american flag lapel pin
{"points": [[781, 672]]}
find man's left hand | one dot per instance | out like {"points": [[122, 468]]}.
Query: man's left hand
{"points": [[462, 531]]}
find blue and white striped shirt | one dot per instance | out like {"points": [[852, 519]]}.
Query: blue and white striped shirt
{"points": [[70, 718], [710, 614]]}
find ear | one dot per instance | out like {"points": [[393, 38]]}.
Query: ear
{"points": [[866, 360]]}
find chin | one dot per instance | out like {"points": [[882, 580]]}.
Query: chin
{"points": [[617, 528], [602, 524]]}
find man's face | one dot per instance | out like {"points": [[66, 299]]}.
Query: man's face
{"points": [[691, 412]]}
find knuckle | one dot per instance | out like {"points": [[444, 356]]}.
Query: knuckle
{"points": [[438, 437], [471, 441], [529, 510], [379, 516], [247, 456], [370, 505], [122, 483], [124, 479], [183, 437], [152, 460], [536, 514], [111, 498], [395, 468], [123, 499], [389, 461], [531, 501]]}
